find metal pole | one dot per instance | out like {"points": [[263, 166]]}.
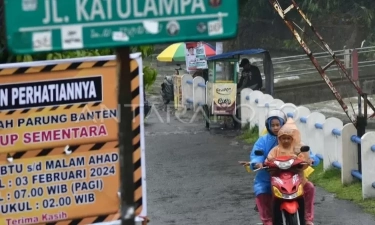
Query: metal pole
{"points": [[365, 106], [359, 105], [125, 137], [361, 128], [362, 124]]}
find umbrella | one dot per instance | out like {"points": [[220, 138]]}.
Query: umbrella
{"points": [[176, 52]]}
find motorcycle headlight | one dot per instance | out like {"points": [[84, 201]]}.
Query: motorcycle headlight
{"points": [[278, 194], [284, 165]]}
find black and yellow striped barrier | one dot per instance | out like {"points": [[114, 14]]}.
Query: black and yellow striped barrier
{"points": [[59, 160]]}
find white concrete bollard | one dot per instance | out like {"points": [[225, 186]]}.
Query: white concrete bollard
{"points": [[315, 133], [332, 153]]}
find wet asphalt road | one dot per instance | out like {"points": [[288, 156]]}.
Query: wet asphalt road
{"points": [[193, 179]]}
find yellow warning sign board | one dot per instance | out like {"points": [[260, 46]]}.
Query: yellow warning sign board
{"points": [[59, 157], [49, 108]]}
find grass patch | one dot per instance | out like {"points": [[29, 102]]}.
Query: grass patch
{"points": [[151, 90], [250, 135], [331, 181]]}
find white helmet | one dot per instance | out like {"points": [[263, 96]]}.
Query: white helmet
{"points": [[275, 114]]}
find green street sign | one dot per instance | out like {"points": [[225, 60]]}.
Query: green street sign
{"points": [[52, 25]]}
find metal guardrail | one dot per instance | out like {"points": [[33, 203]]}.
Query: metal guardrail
{"points": [[300, 65]]}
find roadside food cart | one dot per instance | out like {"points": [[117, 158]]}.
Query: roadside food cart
{"points": [[221, 87]]}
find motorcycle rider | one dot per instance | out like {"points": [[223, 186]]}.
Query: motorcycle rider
{"points": [[262, 182], [289, 138]]}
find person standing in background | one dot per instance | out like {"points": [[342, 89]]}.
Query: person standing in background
{"points": [[250, 76]]}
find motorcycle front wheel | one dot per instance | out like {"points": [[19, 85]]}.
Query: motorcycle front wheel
{"points": [[282, 217], [290, 219]]}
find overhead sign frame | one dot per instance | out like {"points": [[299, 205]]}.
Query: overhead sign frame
{"points": [[51, 25]]}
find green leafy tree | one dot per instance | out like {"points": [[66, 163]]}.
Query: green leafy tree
{"points": [[356, 17], [149, 73], [149, 76]]}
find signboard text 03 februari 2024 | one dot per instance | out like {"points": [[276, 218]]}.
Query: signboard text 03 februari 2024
{"points": [[55, 188]]}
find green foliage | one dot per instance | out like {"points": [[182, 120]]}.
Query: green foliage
{"points": [[79, 54], [149, 73], [149, 76], [356, 13], [146, 50], [255, 9], [291, 44], [330, 180], [59, 55], [250, 135], [360, 11]]}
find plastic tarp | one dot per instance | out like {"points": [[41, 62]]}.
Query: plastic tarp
{"points": [[167, 89]]}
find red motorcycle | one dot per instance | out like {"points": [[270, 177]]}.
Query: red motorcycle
{"points": [[287, 189]]}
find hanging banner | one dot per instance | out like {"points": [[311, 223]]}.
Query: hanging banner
{"points": [[177, 90], [219, 48], [224, 98], [195, 56], [201, 61]]}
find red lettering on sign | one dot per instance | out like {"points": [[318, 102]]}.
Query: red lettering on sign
{"points": [[22, 221], [65, 134], [8, 139], [54, 217]]}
